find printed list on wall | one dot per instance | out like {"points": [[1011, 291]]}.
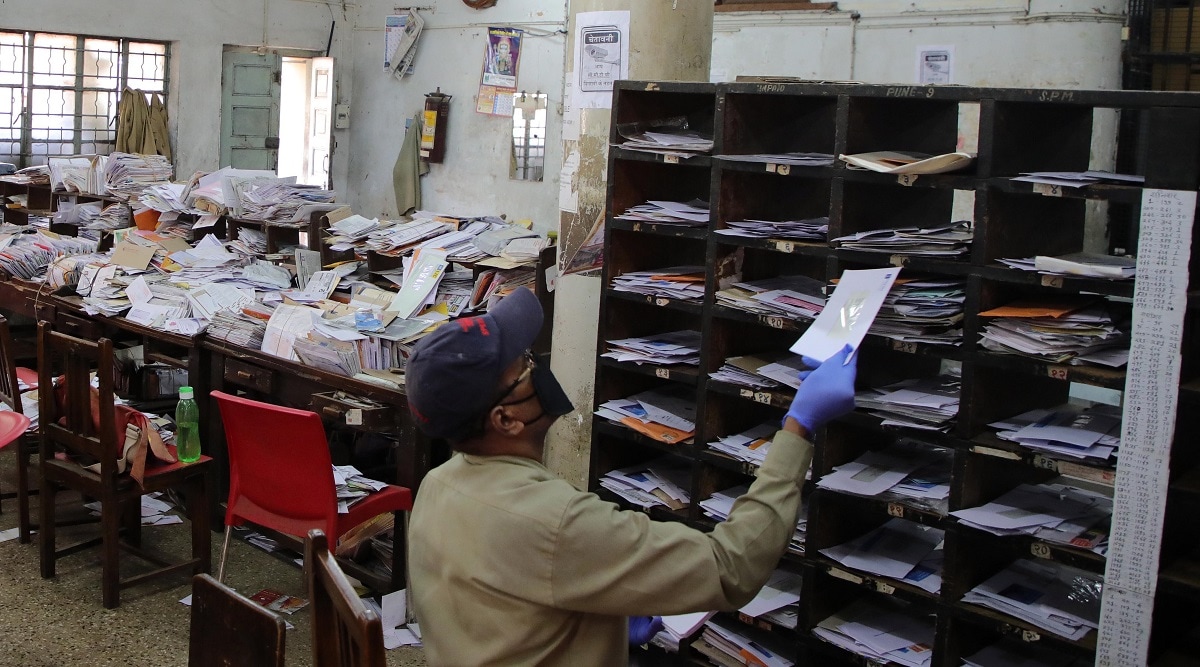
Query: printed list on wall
{"points": [[1151, 392]]}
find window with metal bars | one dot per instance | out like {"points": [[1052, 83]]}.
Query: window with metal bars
{"points": [[59, 93]]}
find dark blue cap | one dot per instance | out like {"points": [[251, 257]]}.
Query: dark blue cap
{"points": [[453, 373]]}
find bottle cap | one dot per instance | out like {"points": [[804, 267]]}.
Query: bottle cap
{"points": [[185, 392]]}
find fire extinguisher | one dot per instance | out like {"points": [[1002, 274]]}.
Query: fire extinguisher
{"points": [[433, 133]]}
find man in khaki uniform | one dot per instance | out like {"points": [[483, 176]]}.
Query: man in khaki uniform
{"points": [[510, 565]]}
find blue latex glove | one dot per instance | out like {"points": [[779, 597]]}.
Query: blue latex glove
{"points": [[643, 628], [827, 391]]}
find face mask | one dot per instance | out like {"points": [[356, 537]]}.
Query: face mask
{"points": [[549, 392]]}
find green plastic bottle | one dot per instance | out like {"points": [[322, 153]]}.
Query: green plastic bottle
{"points": [[187, 426]]}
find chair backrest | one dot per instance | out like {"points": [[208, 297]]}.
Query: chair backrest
{"points": [[65, 412], [230, 629], [10, 393], [346, 633], [280, 472]]}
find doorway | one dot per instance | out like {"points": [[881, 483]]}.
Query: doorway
{"points": [[277, 114]]}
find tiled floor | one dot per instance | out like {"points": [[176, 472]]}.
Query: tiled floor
{"points": [[60, 622]]}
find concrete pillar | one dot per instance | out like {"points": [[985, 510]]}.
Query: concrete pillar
{"points": [[670, 40]]}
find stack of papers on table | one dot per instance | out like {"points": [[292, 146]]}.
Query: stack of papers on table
{"points": [[28, 255], [1068, 430], [928, 404], [278, 200], [667, 415], [922, 311], [745, 645], [1057, 598], [787, 296], [762, 370], [814, 229], [898, 549], [1087, 264], [126, 175], [352, 486], [692, 214], [908, 162], [908, 471], [1077, 179], [750, 445], [778, 600], [1071, 329], [249, 242], [676, 347], [952, 240], [894, 633], [660, 482], [399, 238], [1053, 512], [797, 159], [237, 328], [165, 197], [678, 627], [1012, 652], [673, 282]]}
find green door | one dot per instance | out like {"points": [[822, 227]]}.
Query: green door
{"points": [[250, 110]]}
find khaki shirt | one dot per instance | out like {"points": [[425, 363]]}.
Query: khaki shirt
{"points": [[509, 565]]}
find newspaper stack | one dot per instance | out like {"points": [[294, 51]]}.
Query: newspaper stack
{"points": [[750, 445], [676, 282], [952, 240], [1074, 431], [667, 415], [127, 175], [692, 214], [352, 486], [1071, 329], [898, 549], [815, 229], [1060, 599], [662, 482], [1053, 512], [726, 644], [922, 311], [666, 349], [909, 471], [928, 404], [786, 296], [754, 370], [892, 633], [795, 159]]}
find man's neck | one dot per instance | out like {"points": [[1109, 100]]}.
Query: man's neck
{"points": [[505, 447]]}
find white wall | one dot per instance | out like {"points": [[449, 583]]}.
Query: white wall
{"points": [[198, 32], [474, 178]]}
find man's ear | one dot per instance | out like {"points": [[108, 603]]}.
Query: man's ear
{"points": [[502, 423]]}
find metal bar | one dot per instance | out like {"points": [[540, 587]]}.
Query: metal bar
{"points": [[27, 110], [77, 141]]}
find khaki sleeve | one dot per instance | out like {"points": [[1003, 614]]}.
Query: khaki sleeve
{"points": [[609, 561]]}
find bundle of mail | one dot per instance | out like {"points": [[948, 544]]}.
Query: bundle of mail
{"points": [[1079, 179], [815, 229], [352, 487], [678, 627], [952, 240], [92, 218], [726, 643], [777, 603], [928, 404], [922, 311], [685, 283], [667, 415], [126, 175], [665, 349], [1074, 329], [1075, 431], [691, 214], [794, 297], [909, 472], [35, 175], [27, 255], [661, 482], [1086, 264], [718, 506], [276, 201], [1012, 652], [1057, 598], [760, 371], [1054, 512], [750, 445], [791, 159], [900, 550], [489, 240], [667, 136], [881, 630]]}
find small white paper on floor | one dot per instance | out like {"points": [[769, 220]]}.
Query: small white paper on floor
{"points": [[10, 534]]}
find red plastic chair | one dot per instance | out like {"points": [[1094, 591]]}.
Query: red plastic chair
{"points": [[10, 395], [281, 476]]}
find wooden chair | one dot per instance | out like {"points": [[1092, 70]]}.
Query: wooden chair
{"points": [[230, 630], [10, 395], [70, 429], [345, 632]]}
